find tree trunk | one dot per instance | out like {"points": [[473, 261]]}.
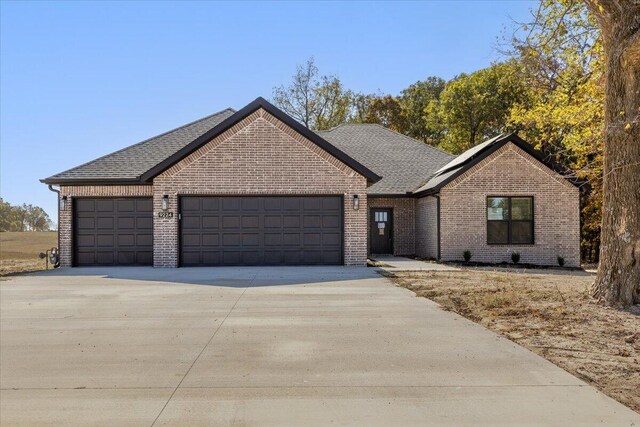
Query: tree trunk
{"points": [[618, 279]]}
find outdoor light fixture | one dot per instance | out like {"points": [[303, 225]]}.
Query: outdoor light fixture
{"points": [[165, 202], [63, 203], [356, 202]]}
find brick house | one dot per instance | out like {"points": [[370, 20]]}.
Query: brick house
{"points": [[255, 187]]}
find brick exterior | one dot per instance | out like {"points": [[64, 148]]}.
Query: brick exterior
{"points": [[260, 155], [427, 227], [65, 230], [510, 172], [403, 222]]}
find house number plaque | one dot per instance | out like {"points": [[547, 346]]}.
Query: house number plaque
{"points": [[165, 214]]}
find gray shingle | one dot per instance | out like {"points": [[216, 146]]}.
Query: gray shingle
{"points": [[131, 162], [403, 162]]}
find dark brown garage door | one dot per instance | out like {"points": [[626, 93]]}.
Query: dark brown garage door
{"points": [[261, 230], [113, 231]]}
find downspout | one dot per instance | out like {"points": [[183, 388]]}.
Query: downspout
{"points": [[58, 205], [438, 223]]}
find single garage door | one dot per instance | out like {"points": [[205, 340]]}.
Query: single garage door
{"points": [[113, 231], [261, 230]]}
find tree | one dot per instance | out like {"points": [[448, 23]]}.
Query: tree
{"points": [[618, 279], [475, 106], [23, 218], [318, 102], [415, 101], [560, 52], [386, 111]]}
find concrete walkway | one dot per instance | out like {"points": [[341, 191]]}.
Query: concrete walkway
{"points": [[265, 346], [398, 263]]}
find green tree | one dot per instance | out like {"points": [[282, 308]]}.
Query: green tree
{"points": [[419, 115], [476, 106]]}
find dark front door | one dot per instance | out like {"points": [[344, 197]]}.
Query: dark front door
{"points": [[381, 231], [261, 230], [113, 231]]}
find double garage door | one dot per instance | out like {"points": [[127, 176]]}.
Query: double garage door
{"points": [[261, 230], [213, 231]]}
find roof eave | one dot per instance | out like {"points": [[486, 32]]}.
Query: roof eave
{"points": [[92, 181]]}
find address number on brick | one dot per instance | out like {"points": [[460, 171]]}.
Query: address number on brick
{"points": [[165, 214]]}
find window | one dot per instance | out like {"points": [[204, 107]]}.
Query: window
{"points": [[510, 220]]}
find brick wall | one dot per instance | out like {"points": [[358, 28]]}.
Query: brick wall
{"points": [[65, 231], [260, 155], [427, 227], [403, 222], [510, 172]]}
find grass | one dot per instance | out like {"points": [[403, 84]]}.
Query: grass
{"points": [[19, 250], [549, 312]]}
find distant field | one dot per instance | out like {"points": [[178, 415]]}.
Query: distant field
{"points": [[19, 251]]}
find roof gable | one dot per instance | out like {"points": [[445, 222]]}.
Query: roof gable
{"points": [[277, 113], [475, 155]]}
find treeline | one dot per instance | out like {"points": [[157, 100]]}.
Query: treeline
{"points": [[23, 218], [548, 88]]}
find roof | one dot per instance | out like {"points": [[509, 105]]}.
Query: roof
{"points": [[140, 163], [403, 162], [128, 164], [474, 155]]}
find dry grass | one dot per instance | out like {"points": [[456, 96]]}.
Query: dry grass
{"points": [[550, 313], [19, 251]]}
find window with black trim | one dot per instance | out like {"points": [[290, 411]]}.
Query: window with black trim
{"points": [[510, 220]]}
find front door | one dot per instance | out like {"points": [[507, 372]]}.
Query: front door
{"points": [[381, 231]]}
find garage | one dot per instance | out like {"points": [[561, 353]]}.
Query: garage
{"points": [[113, 231], [265, 230]]}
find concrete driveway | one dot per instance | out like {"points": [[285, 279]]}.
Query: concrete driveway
{"points": [[265, 346]]}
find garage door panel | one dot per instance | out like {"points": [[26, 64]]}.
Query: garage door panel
{"points": [[105, 258], [126, 205], [210, 240], [211, 204], [144, 223], [291, 239], [126, 240], [105, 240], [126, 223], [191, 240], [291, 221], [144, 240], [257, 230], [191, 222], [113, 231], [144, 205], [210, 222], [250, 222], [104, 205], [190, 204]]}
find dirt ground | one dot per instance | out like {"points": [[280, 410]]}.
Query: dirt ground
{"points": [[19, 250], [549, 312]]}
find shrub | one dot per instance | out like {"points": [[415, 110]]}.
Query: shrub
{"points": [[515, 257], [560, 261], [467, 256]]}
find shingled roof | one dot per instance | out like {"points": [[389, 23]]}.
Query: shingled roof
{"points": [[130, 163], [403, 162]]}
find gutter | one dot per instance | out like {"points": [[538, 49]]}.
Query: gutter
{"points": [[58, 204]]}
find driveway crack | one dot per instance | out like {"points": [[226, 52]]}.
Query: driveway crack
{"points": [[203, 349]]}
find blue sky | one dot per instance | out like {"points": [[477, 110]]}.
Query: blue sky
{"points": [[79, 79]]}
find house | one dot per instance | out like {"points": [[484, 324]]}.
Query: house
{"points": [[255, 187]]}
